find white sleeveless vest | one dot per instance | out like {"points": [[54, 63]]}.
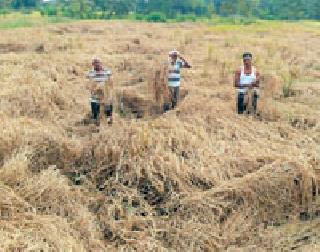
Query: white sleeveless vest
{"points": [[246, 80]]}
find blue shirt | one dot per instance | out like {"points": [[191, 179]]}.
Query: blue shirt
{"points": [[174, 73]]}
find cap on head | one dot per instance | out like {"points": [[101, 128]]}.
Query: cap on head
{"points": [[247, 55], [173, 53]]}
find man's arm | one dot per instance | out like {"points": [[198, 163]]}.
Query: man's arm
{"points": [[185, 63], [89, 83], [257, 83], [110, 87], [237, 78], [90, 74]]}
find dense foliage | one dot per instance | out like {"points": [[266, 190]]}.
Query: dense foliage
{"points": [[162, 9]]}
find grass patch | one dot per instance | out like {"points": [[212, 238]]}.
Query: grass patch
{"points": [[287, 87], [219, 24], [18, 20], [10, 20]]}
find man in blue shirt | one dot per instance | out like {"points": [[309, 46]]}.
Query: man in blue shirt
{"points": [[101, 91], [175, 64]]}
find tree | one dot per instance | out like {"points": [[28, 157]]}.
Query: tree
{"points": [[18, 4], [313, 9], [228, 7], [5, 4], [268, 9], [120, 7], [217, 6], [141, 7], [78, 8]]}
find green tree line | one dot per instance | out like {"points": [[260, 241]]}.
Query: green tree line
{"points": [[265, 9]]}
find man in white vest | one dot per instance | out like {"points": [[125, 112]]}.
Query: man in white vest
{"points": [[247, 80]]}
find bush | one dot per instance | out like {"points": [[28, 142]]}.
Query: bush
{"points": [[185, 18], [139, 17], [157, 17], [287, 90], [26, 11], [235, 20], [247, 20], [134, 16], [49, 11], [287, 86], [4, 11], [96, 15]]}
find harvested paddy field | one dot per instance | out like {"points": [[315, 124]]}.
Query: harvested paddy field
{"points": [[198, 178]]}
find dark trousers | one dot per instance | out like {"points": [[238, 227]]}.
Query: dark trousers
{"points": [[108, 109], [241, 106], [95, 110], [175, 96]]}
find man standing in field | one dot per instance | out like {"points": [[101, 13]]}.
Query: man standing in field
{"points": [[176, 62], [101, 91], [247, 80]]}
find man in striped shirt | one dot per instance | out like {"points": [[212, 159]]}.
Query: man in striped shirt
{"points": [[101, 91], [175, 64]]}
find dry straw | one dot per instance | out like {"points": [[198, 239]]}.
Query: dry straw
{"points": [[196, 178]]}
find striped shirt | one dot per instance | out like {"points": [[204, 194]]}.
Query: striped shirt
{"points": [[174, 73], [99, 77]]}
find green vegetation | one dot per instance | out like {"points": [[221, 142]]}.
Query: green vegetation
{"points": [[156, 17], [237, 11], [288, 80], [16, 20]]}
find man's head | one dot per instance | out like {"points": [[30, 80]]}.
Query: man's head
{"points": [[97, 64], [174, 55], [247, 59]]}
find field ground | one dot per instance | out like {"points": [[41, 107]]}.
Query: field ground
{"points": [[199, 178]]}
